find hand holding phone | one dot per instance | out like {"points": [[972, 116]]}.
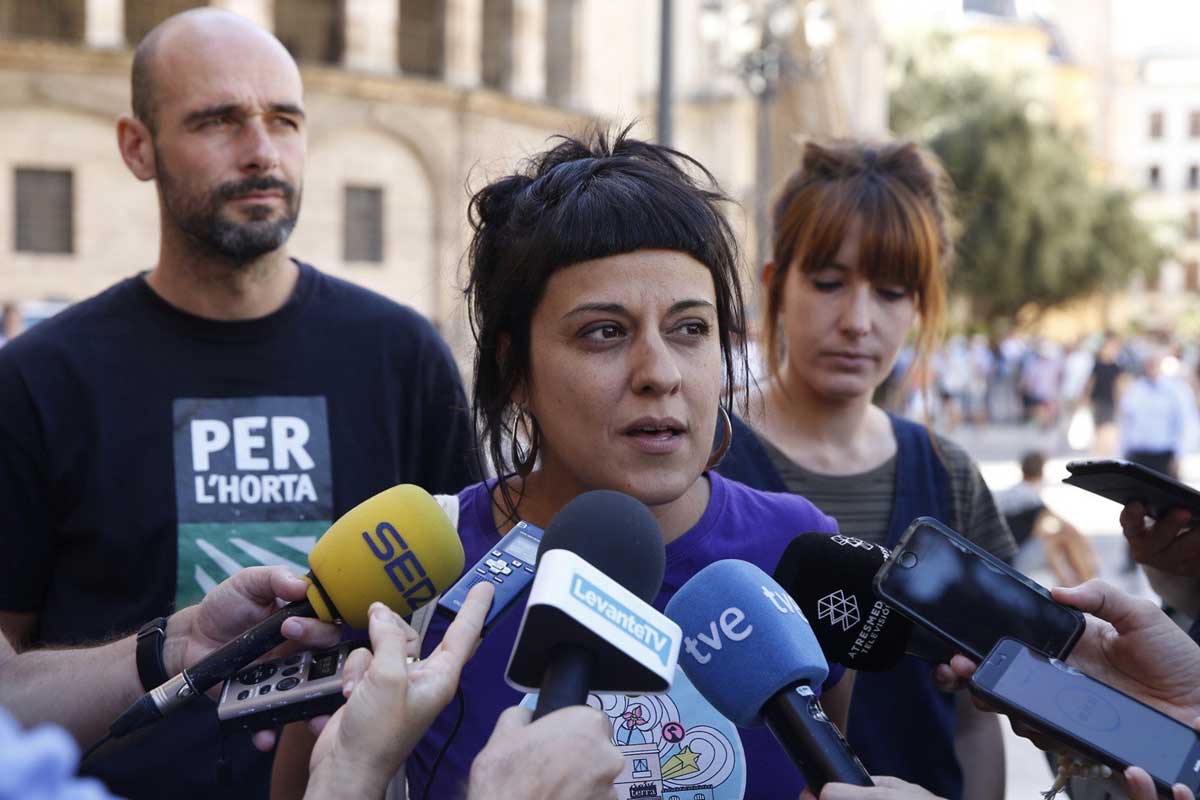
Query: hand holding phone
{"points": [[968, 597], [1125, 482], [1088, 716]]}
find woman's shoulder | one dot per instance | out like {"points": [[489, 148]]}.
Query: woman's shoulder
{"points": [[954, 456], [756, 507]]}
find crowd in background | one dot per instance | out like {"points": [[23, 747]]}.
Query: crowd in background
{"points": [[1074, 390]]}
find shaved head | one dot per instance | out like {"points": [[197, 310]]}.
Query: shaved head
{"points": [[191, 31]]}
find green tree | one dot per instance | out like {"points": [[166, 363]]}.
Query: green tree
{"points": [[1035, 227]]}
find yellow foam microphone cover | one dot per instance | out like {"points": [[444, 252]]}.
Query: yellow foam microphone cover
{"points": [[398, 548]]}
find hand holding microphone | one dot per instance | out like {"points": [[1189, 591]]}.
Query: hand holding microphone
{"points": [[588, 624], [751, 653], [397, 547]]}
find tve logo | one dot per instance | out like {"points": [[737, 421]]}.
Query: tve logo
{"points": [[401, 564], [734, 627], [598, 601]]}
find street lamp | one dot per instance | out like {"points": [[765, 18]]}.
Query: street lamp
{"points": [[752, 38]]}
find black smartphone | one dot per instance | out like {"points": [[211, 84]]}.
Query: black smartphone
{"points": [[287, 689], [1087, 715], [968, 597], [1124, 482]]}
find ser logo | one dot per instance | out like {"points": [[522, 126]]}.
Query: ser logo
{"points": [[401, 564]]}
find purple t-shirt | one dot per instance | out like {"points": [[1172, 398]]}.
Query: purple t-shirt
{"points": [[677, 745]]}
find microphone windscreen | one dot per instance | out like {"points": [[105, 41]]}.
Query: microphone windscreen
{"points": [[831, 578], [398, 548], [614, 533], [744, 639]]}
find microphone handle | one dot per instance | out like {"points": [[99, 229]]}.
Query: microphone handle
{"points": [[237, 653], [811, 739], [565, 682]]}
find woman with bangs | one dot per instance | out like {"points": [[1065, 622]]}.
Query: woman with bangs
{"points": [[608, 319], [861, 249]]}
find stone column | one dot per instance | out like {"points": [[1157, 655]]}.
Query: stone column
{"points": [[529, 49], [372, 35], [104, 23], [260, 12], [464, 42]]}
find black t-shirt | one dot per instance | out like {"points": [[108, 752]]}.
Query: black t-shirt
{"points": [[146, 453]]}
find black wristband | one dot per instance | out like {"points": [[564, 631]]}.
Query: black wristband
{"points": [[152, 671]]}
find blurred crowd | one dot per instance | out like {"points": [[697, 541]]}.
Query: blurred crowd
{"points": [[1074, 390]]}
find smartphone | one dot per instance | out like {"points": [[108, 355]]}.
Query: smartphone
{"points": [[1087, 715], [508, 566], [968, 597], [288, 689], [1124, 482]]}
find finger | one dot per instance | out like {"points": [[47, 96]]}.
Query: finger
{"points": [[462, 636], [287, 585], [945, 679], [807, 795], [1126, 613], [844, 791], [512, 719], [312, 634], [389, 635], [357, 664], [1182, 792], [1133, 519], [317, 724], [264, 741], [1139, 784], [963, 667], [263, 585]]}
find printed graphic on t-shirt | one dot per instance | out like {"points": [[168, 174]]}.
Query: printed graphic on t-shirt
{"points": [[676, 745], [253, 485]]}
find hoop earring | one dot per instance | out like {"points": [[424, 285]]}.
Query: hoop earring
{"points": [[524, 460], [726, 439]]}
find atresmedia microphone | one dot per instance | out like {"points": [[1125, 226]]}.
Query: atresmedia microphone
{"points": [[588, 624], [751, 653], [398, 548], [830, 577]]}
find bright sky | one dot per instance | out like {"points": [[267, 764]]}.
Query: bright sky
{"points": [[1138, 25], [1142, 24]]}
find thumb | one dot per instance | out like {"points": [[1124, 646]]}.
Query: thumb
{"points": [[1126, 613], [512, 720]]}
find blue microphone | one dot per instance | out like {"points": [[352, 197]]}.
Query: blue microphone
{"points": [[750, 651]]}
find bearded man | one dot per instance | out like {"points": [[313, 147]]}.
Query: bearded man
{"points": [[216, 411]]}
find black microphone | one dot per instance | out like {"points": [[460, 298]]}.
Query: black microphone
{"points": [[588, 625], [830, 578]]}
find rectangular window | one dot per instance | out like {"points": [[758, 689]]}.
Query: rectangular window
{"points": [[362, 229], [1191, 276], [1154, 177], [1193, 178], [45, 218], [1194, 125], [1156, 124], [1192, 229]]}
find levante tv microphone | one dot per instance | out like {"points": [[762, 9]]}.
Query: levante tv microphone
{"points": [[830, 577], [751, 653], [588, 624], [398, 548]]}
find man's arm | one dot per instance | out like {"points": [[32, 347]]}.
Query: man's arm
{"points": [[84, 689]]}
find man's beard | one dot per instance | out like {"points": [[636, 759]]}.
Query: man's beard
{"points": [[239, 243]]}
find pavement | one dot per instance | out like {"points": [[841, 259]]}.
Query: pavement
{"points": [[997, 449]]}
